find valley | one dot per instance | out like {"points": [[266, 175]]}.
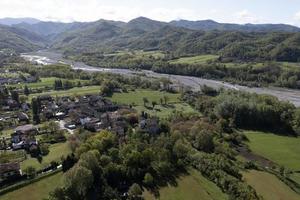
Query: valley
{"points": [[46, 57], [102, 103]]}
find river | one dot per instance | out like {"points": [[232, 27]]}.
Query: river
{"points": [[45, 57]]}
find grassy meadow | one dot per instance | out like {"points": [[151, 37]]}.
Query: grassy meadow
{"points": [[190, 187], [36, 191], [269, 186], [282, 150], [201, 59], [56, 152], [136, 98]]}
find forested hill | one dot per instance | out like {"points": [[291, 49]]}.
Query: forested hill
{"points": [[209, 25], [179, 38], [20, 40]]}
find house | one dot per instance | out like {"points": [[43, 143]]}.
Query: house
{"points": [[12, 104], [9, 171], [23, 117], [150, 125], [25, 107], [24, 137]]}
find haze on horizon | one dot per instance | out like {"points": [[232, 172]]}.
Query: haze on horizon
{"points": [[229, 11]]}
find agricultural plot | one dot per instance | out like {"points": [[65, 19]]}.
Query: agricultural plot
{"points": [[269, 186], [201, 59], [282, 150]]}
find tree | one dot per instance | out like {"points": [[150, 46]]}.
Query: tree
{"points": [[148, 180], [146, 101], [79, 181], [161, 101], [26, 90], [58, 85], [15, 96], [35, 110], [154, 104], [135, 192], [166, 99], [30, 171]]}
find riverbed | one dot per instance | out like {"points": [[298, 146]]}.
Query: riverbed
{"points": [[45, 57]]}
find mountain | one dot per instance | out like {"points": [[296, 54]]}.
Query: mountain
{"points": [[209, 25], [108, 36], [13, 21], [145, 24], [19, 40]]}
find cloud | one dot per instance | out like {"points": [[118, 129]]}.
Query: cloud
{"points": [[246, 16], [297, 16]]}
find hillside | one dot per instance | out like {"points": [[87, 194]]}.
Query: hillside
{"points": [[232, 42], [146, 34], [209, 25], [19, 40]]}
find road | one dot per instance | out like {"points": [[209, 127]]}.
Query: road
{"points": [[46, 57]]}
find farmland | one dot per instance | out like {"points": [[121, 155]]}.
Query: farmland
{"points": [[282, 150], [201, 59], [269, 186]]}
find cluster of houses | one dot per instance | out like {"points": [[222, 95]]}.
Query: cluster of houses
{"points": [[92, 112]]}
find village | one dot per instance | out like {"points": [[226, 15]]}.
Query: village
{"points": [[48, 120]]}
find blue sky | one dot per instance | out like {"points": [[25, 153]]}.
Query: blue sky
{"points": [[236, 11]]}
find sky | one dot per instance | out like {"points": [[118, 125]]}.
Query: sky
{"points": [[232, 11]]}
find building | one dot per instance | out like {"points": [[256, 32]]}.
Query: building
{"points": [[24, 137], [9, 171]]}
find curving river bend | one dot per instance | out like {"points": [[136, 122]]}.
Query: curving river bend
{"points": [[46, 57]]}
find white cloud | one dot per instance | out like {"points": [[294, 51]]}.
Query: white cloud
{"points": [[246, 16], [297, 16], [86, 10]]}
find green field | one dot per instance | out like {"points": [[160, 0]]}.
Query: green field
{"points": [[56, 152], [36, 191], [191, 187], [73, 91], [138, 53], [201, 59], [47, 82], [282, 150], [136, 98], [269, 186]]}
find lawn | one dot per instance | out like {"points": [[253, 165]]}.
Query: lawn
{"points": [[191, 187], [36, 191], [56, 152], [201, 59], [74, 91], [269, 186], [282, 150]]}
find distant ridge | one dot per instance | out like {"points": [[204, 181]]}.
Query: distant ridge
{"points": [[209, 25], [13, 21]]}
